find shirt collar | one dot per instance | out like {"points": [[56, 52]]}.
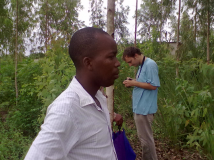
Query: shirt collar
{"points": [[85, 98]]}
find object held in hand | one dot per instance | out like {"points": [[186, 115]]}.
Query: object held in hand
{"points": [[128, 79], [122, 146]]}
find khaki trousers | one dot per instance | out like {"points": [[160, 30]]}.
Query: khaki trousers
{"points": [[144, 131]]}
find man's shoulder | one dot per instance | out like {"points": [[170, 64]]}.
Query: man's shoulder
{"points": [[66, 102], [151, 63]]}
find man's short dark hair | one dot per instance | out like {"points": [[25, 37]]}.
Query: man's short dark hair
{"points": [[130, 52], [83, 44]]}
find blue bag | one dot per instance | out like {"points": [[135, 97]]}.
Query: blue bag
{"points": [[122, 146]]}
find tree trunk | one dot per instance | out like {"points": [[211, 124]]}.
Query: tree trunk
{"points": [[46, 27], [195, 29], [178, 27], [135, 24], [16, 53], [208, 34], [96, 21], [161, 21], [110, 30]]}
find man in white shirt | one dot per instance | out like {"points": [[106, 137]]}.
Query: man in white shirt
{"points": [[77, 124]]}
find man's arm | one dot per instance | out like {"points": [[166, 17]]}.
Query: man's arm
{"points": [[54, 140], [130, 83]]}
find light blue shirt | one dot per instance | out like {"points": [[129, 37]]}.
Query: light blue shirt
{"points": [[145, 101]]}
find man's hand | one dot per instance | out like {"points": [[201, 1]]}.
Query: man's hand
{"points": [[129, 82], [132, 82], [118, 119]]}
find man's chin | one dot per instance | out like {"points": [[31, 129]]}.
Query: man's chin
{"points": [[108, 84]]}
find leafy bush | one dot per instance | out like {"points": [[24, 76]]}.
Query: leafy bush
{"points": [[7, 89], [13, 145], [24, 116], [122, 95], [186, 104], [57, 72]]}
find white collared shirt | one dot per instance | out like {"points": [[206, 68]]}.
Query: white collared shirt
{"points": [[75, 128]]}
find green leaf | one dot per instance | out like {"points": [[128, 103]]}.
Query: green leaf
{"points": [[204, 112], [186, 123]]}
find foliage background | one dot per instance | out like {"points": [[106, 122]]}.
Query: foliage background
{"points": [[185, 114]]}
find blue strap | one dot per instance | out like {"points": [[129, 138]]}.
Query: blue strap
{"points": [[141, 67]]}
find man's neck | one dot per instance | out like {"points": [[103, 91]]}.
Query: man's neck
{"points": [[89, 87], [87, 84], [141, 59]]}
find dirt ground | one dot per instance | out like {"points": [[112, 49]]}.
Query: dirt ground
{"points": [[165, 150]]}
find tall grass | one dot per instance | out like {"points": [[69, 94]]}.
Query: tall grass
{"points": [[186, 104]]}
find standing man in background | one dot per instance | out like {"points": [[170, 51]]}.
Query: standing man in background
{"points": [[77, 124], [144, 98]]}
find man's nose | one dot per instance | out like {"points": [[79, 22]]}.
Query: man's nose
{"points": [[117, 64]]}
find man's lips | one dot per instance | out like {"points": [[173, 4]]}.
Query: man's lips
{"points": [[116, 75]]}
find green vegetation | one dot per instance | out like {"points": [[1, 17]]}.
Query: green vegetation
{"points": [[40, 82], [29, 84], [185, 112]]}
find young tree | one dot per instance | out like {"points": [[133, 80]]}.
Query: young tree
{"points": [[6, 28], [58, 19], [97, 16], [110, 30], [121, 20], [154, 15], [203, 19], [21, 12], [16, 52], [186, 37], [194, 6], [46, 26], [135, 33], [208, 31], [206, 16], [178, 28], [148, 18]]}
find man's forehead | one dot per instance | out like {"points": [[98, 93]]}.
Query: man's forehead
{"points": [[128, 59], [105, 39], [101, 36]]}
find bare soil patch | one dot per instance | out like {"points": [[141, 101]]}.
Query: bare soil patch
{"points": [[165, 150]]}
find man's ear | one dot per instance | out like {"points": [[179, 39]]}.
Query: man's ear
{"points": [[136, 55], [87, 62]]}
